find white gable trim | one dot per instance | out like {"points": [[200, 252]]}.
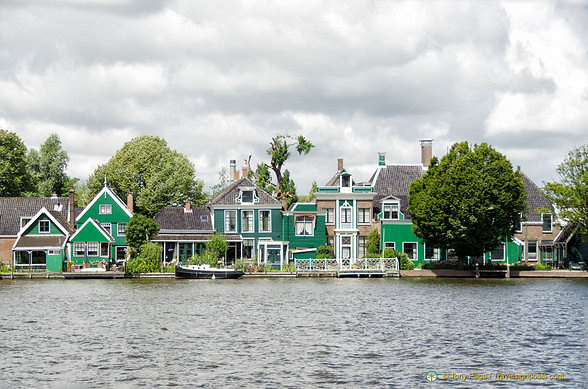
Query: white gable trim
{"points": [[97, 225], [117, 200], [34, 218]]}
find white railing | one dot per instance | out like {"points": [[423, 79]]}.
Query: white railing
{"points": [[381, 264]]}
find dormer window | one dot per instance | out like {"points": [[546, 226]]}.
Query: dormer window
{"points": [[391, 211], [346, 180], [44, 226], [57, 207], [247, 196]]}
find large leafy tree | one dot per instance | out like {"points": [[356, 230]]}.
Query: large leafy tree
{"points": [[570, 196], [156, 175], [279, 152], [49, 166], [469, 201], [15, 176], [140, 229]]}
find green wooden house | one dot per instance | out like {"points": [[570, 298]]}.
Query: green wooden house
{"points": [[251, 220], [304, 229], [101, 229], [41, 243]]}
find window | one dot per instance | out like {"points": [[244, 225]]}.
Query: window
{"points": [[105, 209], [345, 214], [346, 181], [247, 221], [330, 217], [247, 197], [247, 248], [304, 225], [106, 226], [44, 226], [331, 241], [364, 216], [431, 252], [498, 253], [104, 249], [92, 249], [389, 245], [547, 225], [518, 225], [231, 221], [24, 221], [121, 229], [548, 253], [53, 252], [390, 211], [265, 221], [410, 249], [345, 247], [79, 249], [531, 250], [361, 245], [451, 255]]}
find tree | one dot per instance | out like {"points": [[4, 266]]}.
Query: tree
{"points": [[15, 177], [288, 189], [147, 261], [324, 252], [49, 166], [263, 179], [279, 152], [223, 182], [373, 242], [139, 230], [156, 175], [216, 248], [470, 201], [569, 197]]}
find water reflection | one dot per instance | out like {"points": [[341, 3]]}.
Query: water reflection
{"points": [[289, 333]]}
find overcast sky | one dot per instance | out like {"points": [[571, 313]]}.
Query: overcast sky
{"points": [[217, 79]]}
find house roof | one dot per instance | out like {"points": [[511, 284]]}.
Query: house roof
{"points": [[117, 200], [176, 218], [192, 238], [13, 208], [230, 194], [38, 242], [97, 226], [395, 180], [535, 200]]}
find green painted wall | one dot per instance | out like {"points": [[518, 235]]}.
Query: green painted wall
{"points": [[55, 261], [118, 215], [319, 238], [89, 233], [34, 228]]}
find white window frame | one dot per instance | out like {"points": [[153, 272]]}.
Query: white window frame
{"points": [[503, 253], [416, 250], [543, 215], [346, 181], [329, 216], [269, 218], [247, 224], [391, 207], [47, 223], [362, 241], [361, 215], [308, 223], [104, 244], [536, 253], [105, 209], [24, 220], [107, 227], [93, 249], [79, 249], [520, 225], [227, 213], [389, 245], [436, 253], [121, 229]]}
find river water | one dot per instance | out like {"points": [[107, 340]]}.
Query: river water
{"points": [[291, 332]]}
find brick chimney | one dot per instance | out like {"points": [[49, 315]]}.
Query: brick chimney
{"points": [[130, 201], [340, 164], [71, 215], [188, 207], [426, 151], [244, 172]]}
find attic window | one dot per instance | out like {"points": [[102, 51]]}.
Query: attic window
{"points": [[57, 207], [247, 196], [346, 181], [204, 218], [24, 221], [105, 209], [391, 211]]}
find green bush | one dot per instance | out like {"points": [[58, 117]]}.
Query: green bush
{"points": [[540, 266], [4, 268], [148, 259], [405, 262], [324, 252]]}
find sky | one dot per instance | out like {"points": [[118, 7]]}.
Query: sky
{"points": [[218, 79]]}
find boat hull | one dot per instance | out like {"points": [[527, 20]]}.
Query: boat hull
{"points": [[182, 272]]}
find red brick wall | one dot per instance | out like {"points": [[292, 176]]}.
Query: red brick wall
{"points": [[6, 249]]}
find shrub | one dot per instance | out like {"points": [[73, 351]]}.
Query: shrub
{"points": [[324, 252], [540, 266], [405, 262], [148, 259]]}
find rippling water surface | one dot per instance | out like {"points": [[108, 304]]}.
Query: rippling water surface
{"points": [[290, 332]]}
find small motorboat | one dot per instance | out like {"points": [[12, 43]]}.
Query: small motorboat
{"points": [[206, 272]]}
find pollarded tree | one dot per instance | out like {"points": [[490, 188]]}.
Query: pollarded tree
{"points": [[15, 177], [156, 175], [570, 196], [470, 201]]}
